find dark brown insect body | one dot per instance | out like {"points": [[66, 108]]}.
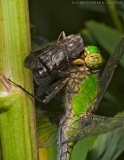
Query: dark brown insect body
{"points": [[56, 56]]}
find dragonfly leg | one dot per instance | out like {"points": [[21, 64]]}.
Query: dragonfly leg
{"points": [[55, 91], [35, 97], [109, 70]]}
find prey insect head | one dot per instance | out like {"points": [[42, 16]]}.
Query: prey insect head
{"points": [[74, 46]]}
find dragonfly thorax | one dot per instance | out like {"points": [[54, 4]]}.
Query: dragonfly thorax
{"points": [[79, 79], [90, 57]]}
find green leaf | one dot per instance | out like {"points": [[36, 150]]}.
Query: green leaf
{"points": [[82, 148], [112, 97], [87, 37], [108, 146], [106, 36]]}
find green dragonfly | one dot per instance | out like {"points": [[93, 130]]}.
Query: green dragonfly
{"points": [[83, 93]]}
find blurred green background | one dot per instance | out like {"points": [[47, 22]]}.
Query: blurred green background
{"points": [[100, 23]]}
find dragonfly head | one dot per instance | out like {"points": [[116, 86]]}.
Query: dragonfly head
{"points": [[93, 58]]}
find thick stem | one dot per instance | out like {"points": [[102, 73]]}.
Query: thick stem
{"points": [[17, 118]]}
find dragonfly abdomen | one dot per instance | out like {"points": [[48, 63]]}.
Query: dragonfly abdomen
{"points": [[81, 92], [66, 150]]}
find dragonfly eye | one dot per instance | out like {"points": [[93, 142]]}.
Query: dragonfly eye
{"points": [[91, 49], [94, 60]]}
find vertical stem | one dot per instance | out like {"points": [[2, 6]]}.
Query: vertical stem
{"points": [[17, 118]]}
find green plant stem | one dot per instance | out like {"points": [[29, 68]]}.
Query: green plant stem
{"points": [[114, 15], [17, 116]]}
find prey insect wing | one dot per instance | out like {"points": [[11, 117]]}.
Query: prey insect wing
{"points": [[45, 84], [58, 86]]}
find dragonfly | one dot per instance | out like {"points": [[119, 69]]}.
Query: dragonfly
{"points": [[83, 93], [84, 90]]}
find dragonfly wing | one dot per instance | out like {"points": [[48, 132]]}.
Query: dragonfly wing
{"points": [[47, 129], [109, 70], [92, 125]]}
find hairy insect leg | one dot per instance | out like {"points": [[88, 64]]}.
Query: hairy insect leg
{"points": [[56, 90], [41, 39], [62, 35]]}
